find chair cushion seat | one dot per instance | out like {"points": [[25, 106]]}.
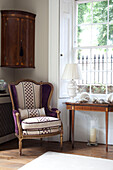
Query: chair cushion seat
{"points": [[41, 125]]}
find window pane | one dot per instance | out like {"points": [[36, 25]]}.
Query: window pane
{"points": [[110, 67], [84, 36], [110, 89], [98, 59], [95, 77], [99, 35], [100, 11], [94, 30], [84, 13], [110, 59], [98, 66], [98, 89], [84, 62], [109, 77], [110, 10], [110, 34], [83, 88]]}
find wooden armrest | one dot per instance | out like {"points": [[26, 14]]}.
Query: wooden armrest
{"points": [[18, 124], [58, 113]]}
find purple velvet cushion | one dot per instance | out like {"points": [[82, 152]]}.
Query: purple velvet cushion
{"points": [[15, 121], [54, 109], [46, 89], [51, 113]]}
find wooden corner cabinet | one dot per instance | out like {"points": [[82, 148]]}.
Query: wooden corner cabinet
{"points": [[17, 39]]}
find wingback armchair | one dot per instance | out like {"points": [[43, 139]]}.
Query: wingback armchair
{"points": [[32, 114]]}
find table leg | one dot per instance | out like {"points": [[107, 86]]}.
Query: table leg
{"points": [[70, 121], [73, 127], [106, 129]]}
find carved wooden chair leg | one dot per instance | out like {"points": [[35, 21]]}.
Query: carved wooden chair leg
{"points": [[20, 146], [61, 140], [61, 137]]}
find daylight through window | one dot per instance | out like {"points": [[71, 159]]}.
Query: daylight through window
{"points": [[94, 45]]}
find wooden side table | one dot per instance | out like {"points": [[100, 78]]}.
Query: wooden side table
{"points": [[72, 107]]}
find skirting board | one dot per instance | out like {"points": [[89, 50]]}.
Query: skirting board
{"points": [[7, 138]]}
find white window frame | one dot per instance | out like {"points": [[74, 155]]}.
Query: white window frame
{"points": [[89, 47]]}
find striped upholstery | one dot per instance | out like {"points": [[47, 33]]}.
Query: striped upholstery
{"points": [[28, 95], [34, 119], [41, 125], [27, 113]]}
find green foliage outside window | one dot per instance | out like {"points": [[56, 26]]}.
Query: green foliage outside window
{"points": [[95, 38], [97, 12]]}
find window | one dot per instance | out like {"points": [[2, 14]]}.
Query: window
{"points": [[93, 45]]}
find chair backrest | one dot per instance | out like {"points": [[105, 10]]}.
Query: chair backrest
{"points": [[28, 94]]}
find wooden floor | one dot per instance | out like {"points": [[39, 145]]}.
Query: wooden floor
{"points": [[10, 159]]}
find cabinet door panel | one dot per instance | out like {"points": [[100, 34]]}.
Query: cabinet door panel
{"points": [[3, 39], [31, 43], [17, 39], [11, 41], [24, 42]]}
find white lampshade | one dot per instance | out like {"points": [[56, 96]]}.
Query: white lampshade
{"points": [[71, 72]]}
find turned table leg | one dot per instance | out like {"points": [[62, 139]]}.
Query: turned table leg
{"points": [[72, 126], [106, 129]]}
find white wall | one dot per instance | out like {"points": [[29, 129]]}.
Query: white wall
{"points": [[81, 118], [6, 4], [47, 63], [40, 8], [6, 73], [53, 59]]}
